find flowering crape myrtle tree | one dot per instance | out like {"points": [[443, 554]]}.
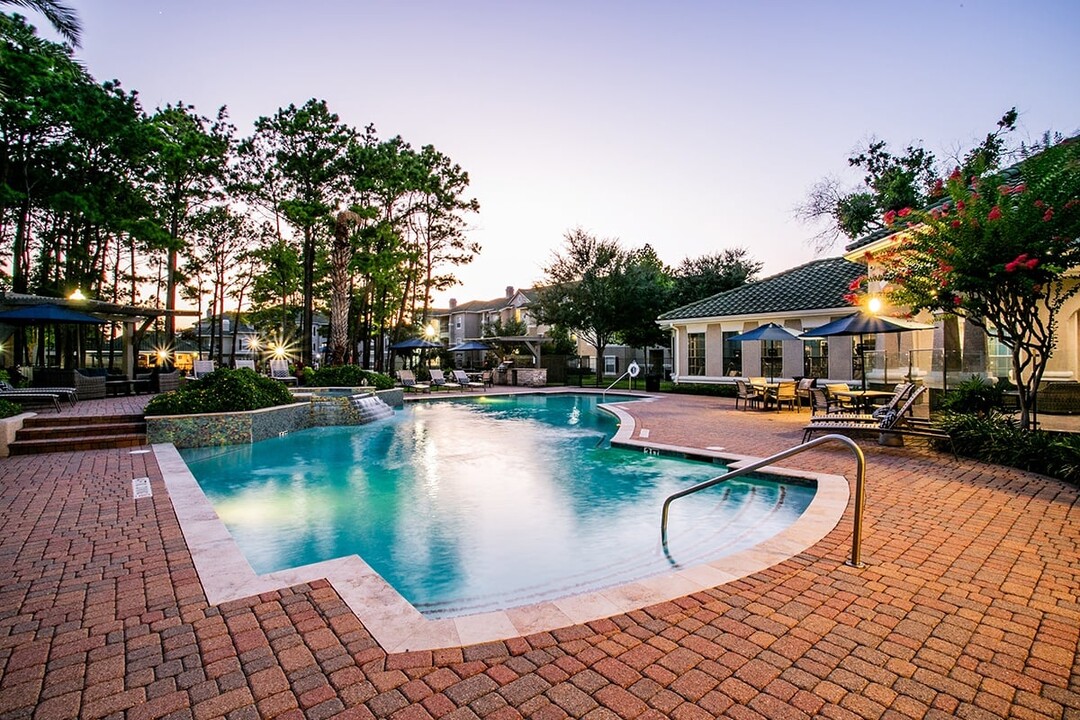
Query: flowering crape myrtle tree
{"points": [[997, 251]]}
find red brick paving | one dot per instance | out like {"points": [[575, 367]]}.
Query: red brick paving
{"points": [[967, 607]]}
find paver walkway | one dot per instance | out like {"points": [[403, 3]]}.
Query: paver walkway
{"points": [[967, 608]]}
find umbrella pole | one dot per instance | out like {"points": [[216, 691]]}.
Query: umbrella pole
{"points": [[862, 352]]}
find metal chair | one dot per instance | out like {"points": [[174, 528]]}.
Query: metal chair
{"points": [[747, 393]]}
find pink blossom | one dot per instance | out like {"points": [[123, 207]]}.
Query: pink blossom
{"points": [[1032, 263], [955, 173], [1048, 215], [1040, 204], [938, 188], [904, 212], [890, 217], [995, 213], [955, 224], [960, 205], [956, 300]]}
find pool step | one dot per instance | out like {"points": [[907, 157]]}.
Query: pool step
{"points": [[67, 433]]}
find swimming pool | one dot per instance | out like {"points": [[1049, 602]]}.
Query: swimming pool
{"points": [[470, 506]]}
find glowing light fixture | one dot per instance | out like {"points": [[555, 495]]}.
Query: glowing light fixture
{"points": [[77, 295], [874, 305]]}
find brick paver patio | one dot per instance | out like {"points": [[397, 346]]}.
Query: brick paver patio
{"points": [[967, 608]]}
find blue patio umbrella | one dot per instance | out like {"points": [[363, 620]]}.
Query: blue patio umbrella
{"points": [[768, 331], [471, 345], [415, 344], [48, 313], [862, 323]]}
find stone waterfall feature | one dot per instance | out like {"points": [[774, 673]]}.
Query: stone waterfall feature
{"points": [[370, 408]]}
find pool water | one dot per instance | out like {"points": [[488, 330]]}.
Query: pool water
{"points": [[465, 506]]}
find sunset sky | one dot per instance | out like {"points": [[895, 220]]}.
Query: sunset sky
{"points": [[691, 126]]}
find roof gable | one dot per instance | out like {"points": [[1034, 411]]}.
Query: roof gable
{"points": [[817, 285]]}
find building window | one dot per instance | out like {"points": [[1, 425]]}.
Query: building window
{"points": [[772, 358], [816, 358], [695, 362], [862, 347], [732, 355], [611, 364], [457, 323], [1000, 357]]}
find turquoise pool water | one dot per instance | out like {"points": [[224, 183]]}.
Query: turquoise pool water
{"points": [[481, 504]]}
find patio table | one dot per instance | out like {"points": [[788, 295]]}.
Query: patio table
{"points": [[863, 397]]}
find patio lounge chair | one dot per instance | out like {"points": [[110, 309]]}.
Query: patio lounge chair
{"points": [[249, 364], [438, 380], [900, 394], [202, 368], [35, 397], [67, 393], [747, 393], [465, 382], [896, 422], [279, 370], [408, 381]]}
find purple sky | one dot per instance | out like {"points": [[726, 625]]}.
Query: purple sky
{"points": [[692, 126]]}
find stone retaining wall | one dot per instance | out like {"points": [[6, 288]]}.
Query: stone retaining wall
{"points": [[185, 431]]}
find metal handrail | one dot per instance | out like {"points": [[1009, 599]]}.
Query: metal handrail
{"points": [[629, 371], [860, 487]]}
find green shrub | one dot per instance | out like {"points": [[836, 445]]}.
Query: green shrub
{"points": [[974, 395], [223, 390], [9, 409], [347, 376], [998, 439], [713, 390]]}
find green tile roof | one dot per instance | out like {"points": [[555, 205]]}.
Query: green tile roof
{"points": [[817, 285]]}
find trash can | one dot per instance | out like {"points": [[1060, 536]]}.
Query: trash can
{"points": [[652, 383]]}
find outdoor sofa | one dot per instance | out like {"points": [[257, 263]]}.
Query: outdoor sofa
{"points": [[88, 384]]}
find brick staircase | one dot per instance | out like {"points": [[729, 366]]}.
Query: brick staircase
{"points": [[66, 433]]}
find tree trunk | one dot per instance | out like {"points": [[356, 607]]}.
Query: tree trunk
{"points": [[341, 255], [309, 282]]}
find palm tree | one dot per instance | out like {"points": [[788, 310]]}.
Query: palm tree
{"points": [[62, 17], [340, 256]]}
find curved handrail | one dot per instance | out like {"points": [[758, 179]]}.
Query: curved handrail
{"points": [[632, 371], [860, 487]]}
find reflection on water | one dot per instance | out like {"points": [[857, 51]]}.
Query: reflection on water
{"points": [[473, 505]]}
